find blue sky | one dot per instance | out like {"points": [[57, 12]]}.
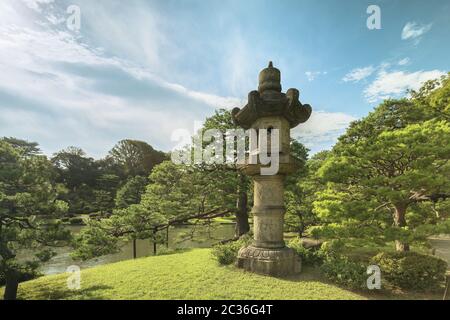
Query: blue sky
{"points": [[142, 69]]}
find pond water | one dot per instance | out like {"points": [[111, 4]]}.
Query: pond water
{"points": [[204, 237], [442, 246]]}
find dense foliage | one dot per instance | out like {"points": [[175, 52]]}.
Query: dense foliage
{"points": [[28, 212], [309, 256], [345, 272], [388, 177], [411, 270], [89, 185], [227, 253]]}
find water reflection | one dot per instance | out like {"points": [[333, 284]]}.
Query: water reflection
{"points": [[179, 237]]}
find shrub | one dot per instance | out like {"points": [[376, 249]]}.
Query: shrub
{"points": [[95, 216], [332, 249], [76, 220], [345, 272], [227, 253], [411, 270], [164, 251], [309, 256]]}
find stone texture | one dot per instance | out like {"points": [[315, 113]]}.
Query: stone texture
{"points": [[269, 108], [269, 101], [274, 262]]}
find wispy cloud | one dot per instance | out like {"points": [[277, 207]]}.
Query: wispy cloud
{"points": [[322, 129], [36, 4], [312, 75], [358, 74], [414, 31], [58, 89], [404, 61], [395, 83]]}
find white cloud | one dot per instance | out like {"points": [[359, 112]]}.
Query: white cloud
{"points": [[312, 75], [58, 107], [322, 129], [36, 4], [395, 83], [210, 99], [413, 30], [404, 61], [358, 74]]}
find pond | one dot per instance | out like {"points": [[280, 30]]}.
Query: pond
{"points": [[442, 246], [204, 237]]}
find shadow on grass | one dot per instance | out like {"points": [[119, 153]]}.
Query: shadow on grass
{"points": [[167, 252], [52, 293], [397, 294], [313, 274]]}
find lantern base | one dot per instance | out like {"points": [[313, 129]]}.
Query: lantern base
{"points": [[274, 262]]}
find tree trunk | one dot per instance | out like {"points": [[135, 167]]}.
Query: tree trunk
{"points": [[12, 284], [301, 225], [154, 241], [134, 249], [167, 237], [242, 225], [400, 221]]}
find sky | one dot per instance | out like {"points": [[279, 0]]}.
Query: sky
{"points": [[143, 69]]}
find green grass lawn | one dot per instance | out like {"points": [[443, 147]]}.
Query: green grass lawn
{"points": [[193, 275], [189, 275]]}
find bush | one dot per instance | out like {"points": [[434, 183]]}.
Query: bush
{"points": [[76, 221], [332, 249], [345, 272], [164, 251], [227, 253], [309, 256], [411, 270], [95, 216]]}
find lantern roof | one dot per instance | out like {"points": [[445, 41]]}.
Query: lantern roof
{"points": [[270, 101]]}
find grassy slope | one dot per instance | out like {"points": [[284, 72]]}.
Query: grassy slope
{"points": [[189, 275]]}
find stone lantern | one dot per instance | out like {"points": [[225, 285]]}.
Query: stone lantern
{"points": [[269, 108]]}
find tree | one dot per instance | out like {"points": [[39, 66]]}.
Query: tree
{"points": [[222, 120], [75, 168], [25, 147], [131, 192], [178, 191], [383, 167], [28, 212], [105, 192], [301, 192], [79, 174], [136, 157], [175, 194]]}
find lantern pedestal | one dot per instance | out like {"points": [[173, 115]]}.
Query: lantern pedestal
{"points": [[273, 262]]}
